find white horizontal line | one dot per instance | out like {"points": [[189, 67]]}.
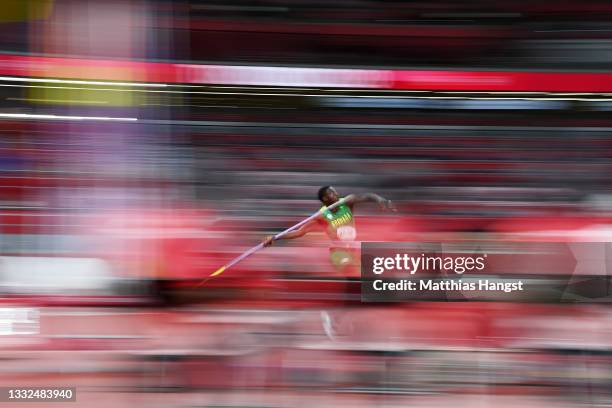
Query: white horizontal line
{"points": [[341, 95], [62, 117]]}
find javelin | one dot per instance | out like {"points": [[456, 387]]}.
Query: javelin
{"points": [[256, 248]]}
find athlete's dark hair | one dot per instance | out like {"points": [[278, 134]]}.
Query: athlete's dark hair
{"points": [[322, 192]]}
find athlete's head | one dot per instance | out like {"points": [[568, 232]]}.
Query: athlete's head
{"points": [[328, 195]]}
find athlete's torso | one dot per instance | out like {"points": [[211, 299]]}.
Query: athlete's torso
{"points": [[340, 224]]}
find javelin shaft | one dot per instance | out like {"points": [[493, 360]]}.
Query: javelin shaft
{"points": [[260, 246], [277, 236]]}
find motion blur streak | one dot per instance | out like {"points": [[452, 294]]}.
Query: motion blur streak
{"points": [[145, 143], [431, 80], [60, 117]]}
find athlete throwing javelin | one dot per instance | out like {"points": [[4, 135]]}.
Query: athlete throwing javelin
{"points": [[338, 223]]}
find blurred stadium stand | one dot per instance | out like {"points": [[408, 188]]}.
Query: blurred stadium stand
{"points": [[145, 143]]}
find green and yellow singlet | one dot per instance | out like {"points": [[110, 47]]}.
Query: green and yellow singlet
{"points": [[340, 224]]}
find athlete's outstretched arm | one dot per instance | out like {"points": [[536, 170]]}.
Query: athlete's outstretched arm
{"points": [[383, 203], [300, 232]]}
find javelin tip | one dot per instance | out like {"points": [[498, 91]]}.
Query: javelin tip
{"points": [[218, 271]]}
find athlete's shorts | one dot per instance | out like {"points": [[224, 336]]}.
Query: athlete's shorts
{"points": [[347, 266], [345, 259], [341, 257]]}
